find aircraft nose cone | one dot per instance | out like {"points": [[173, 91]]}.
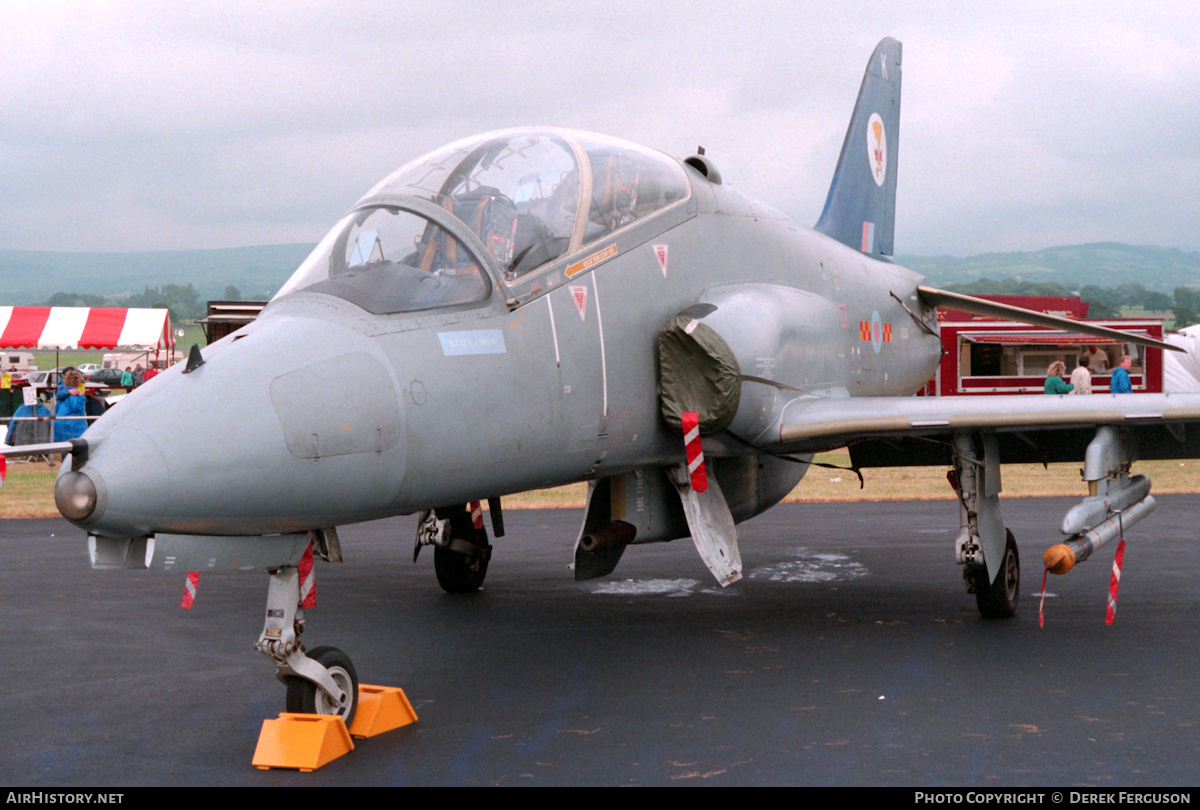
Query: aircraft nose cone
{"points": [[75, 495], [297, 425], [120, 489]]}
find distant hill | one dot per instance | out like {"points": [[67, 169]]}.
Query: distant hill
{"points": [[30, 277], [1105, 264]]}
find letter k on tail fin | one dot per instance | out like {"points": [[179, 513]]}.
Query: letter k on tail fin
{"points": [[860, 210]]}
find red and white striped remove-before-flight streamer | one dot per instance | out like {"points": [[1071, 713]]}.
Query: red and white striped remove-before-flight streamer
{"points": [[1113, 585], [1116, 581], [189, 590], [476, 515], [695, 455], [308, 580], [1042, 603]]}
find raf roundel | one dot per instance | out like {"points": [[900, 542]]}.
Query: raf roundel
{"points": [[877, 148]]}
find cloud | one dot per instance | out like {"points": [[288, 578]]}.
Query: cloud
{"points": [[155, 126]]}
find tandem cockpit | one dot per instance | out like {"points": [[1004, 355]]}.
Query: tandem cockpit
{"points": [[443, 230]]}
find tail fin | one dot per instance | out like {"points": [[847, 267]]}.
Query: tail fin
{"points": [[860, 210]]}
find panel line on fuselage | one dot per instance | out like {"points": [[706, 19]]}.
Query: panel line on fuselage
{"points": [[553, 332], [603, 361]]}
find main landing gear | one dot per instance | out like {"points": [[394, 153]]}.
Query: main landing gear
{"points": [[998, 599], [460, 544], [984, 547]]}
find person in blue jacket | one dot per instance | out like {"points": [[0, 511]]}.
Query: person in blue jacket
{"points": [[1120, 377], [21, 432], [70, 402]]}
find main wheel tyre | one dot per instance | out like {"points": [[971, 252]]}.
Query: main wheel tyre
{"points": [[462, 564], [305, 697], [998, 600], [458, 572]]}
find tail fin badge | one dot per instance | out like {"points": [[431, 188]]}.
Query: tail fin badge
{"points": [[877, 148]]}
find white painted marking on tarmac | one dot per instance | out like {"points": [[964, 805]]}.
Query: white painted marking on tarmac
{"points": [[658, 587], [810, 566]]}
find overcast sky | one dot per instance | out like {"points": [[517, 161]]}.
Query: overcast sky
{"points": [[163, 125]]}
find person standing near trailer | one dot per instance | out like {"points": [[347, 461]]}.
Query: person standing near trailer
{"points": [[1120, 377], [1081, 377]]}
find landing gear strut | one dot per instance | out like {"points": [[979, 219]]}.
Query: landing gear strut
{"points": [[323, 682], [984, 547]]}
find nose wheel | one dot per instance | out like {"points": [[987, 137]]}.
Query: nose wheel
{"points": [[305, 697]]}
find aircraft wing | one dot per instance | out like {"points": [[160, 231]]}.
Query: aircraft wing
{"points": [[973, 305], [915, 431]]}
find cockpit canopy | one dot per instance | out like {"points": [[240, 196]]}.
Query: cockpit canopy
{"points": [[514, 201]]}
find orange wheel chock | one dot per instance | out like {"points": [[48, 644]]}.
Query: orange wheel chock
{"points": [[302, 741], [380, 709]]}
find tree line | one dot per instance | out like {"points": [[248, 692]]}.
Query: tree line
{"points": [[183, 301], [1103, 302]]}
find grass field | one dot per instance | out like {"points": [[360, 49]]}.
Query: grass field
{"points": [[29, 489], [192, 333]]}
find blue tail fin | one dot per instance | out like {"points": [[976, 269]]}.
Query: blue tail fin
{"points": [[860, 210]]}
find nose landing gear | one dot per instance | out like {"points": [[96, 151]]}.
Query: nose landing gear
{"points": [[320, 682]]}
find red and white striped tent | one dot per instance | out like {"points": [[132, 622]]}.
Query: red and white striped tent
{"points": [[85, 328]]}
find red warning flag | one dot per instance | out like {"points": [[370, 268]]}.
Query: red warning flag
{"points": [[1042, 603], [308, 580], [189, 590], [476, 515], [3, 469], [695, 455], [1115, 582]]}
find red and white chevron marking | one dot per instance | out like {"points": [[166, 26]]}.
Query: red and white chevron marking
{"points": [[695, 454]]}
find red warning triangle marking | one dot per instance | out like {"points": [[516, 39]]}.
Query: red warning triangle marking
{"points": [[579, 296], [660, 253]]}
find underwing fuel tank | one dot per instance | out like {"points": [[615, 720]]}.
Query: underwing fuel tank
{"points": [[257, 440]]}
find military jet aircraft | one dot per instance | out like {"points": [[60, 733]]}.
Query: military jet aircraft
{"points": [[534, 307]]}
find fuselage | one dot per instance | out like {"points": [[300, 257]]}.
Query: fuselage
{"points": [[322, 413]]}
